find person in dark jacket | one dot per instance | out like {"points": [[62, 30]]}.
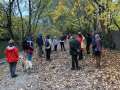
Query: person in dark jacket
{"points": [[48, 46], [40, 44], [74, 52], [12, 57], [89, 42], [24, 45], [30, 47], [62, 43], [25, 48]]}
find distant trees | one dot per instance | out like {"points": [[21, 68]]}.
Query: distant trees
{"points": [[62, 15]]}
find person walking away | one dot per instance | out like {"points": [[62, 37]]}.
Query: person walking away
{"points": [[48, 46], [55, 43], [97, 49], [80, 39], [62, 43], [89, 42], [74, 52], [25, 48], [30, 47], [40, 44], [12, 57]]}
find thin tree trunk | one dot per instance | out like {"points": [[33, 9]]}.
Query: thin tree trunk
{"points": [[116, 24], [21, 19], [38, 18], [9, 18], [30, 16]]}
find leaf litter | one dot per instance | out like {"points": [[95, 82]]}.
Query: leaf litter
{"points": [[57, 74]]}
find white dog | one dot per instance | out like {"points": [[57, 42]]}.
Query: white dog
{"points": [[27, 65]]}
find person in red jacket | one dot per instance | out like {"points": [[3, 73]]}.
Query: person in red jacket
{"points": [[80, 40], [12, 57]]}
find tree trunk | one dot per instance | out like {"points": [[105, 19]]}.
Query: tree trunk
{"points": [[9, 23], [22, 37], [30, 15], [116, 24]]}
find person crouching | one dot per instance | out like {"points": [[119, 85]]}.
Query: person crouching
{"points": [[12, 57]]}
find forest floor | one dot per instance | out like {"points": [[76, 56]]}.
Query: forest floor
{"points": [[57, 74]]}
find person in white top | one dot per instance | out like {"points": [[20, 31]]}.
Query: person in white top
{"points": [[48, 46], [55, 43]]}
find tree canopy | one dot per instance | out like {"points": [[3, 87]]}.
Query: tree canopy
{"points": [[20, 17]]}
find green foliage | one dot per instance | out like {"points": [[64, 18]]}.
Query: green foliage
{"points": [[57, 16]]}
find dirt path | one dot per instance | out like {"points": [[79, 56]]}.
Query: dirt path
{"points": [[57, 75]]}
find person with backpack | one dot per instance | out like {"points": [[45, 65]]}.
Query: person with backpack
{"points": [[30, 47], [24, 47], [48, 46], [74, 52], [12, 57], [97, 48], [40, 44]]}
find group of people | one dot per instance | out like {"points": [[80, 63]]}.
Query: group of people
{"points": [[76, 44], [50, 44]]}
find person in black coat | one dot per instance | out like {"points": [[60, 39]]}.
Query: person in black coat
{"points": [[40, 44], [74, 52], [62, 43], [88, 41]]}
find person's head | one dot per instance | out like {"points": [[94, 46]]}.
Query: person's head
{"points": [[55, 37], [40, 34], [11, 43], [47, 37], [97, 37], [79, 33]]}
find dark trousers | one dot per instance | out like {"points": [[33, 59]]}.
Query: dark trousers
{"points": [[55, 47], [48, 52], [81, 54], [12, 68], [74, 62], [40, 51], [62, 46], [88, 49]]}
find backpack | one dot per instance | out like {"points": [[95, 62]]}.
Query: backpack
{"points": [[47, 44], [29, 43]]}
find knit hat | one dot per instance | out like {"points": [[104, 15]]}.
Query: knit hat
{"points": [[11, 41]]}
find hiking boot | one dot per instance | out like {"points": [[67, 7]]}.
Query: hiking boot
{"points": [[78, 68], [72, 68], [14, 76]]}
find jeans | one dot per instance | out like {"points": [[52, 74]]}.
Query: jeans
{"points": [[29, 56], [40, 51], [81, 55], [13, 68], [55, 47]]}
